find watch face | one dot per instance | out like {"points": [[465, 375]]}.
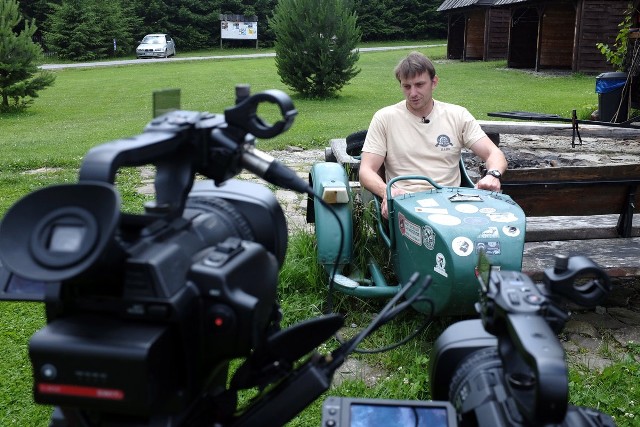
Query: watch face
{"points": [[494, 173]]}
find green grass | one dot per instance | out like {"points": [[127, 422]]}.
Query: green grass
{"points": [[87, 107], [403, 372]]}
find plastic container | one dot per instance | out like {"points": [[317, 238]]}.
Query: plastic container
{"points": [[611, 104]]}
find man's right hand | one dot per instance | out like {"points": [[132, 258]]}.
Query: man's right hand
{"points": [[394, 192]]}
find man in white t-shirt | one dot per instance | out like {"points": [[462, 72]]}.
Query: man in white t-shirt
{"points": [[422, 136]]}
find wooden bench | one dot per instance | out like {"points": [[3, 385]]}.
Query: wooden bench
{"points": [[570, 210], [586, 210]]}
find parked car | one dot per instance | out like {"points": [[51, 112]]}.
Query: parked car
{"points": [[156, 45]]}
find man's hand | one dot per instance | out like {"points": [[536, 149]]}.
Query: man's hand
{"points": [[489, 182], [394, 192]]}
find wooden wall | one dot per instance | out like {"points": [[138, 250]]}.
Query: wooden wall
{"points": [[557, 33], [538, 34], [497, 31], [478, 34], [455, 37], [597, 22], [474, 41], [523, 40]]}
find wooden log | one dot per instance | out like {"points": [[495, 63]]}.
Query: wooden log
{"points": [[618, 257], [540, 229], [557, 129]]}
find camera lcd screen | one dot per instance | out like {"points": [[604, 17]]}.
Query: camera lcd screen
{"points": [[363, 412], [66, 238], [16, 288], [370, 415]]}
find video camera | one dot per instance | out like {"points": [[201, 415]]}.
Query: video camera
{"points": [[505, 369], [146, 311]]}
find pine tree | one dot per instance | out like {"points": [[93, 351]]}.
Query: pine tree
{"points": [[315, 42], [83, 30], [20, 78]]}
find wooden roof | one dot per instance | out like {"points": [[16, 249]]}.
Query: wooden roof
{"points": [[458, 4]]}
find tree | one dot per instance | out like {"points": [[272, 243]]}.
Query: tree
{"points": [[400, 19], [20, 77], [84, 30], [315, 42], [616, 54]]}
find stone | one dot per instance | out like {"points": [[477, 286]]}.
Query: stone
{"points": [[581, 328], [626, 316]]}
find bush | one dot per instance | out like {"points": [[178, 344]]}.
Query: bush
{"points": [[315, 42], [20, 78]]}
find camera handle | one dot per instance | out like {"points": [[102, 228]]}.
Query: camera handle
{"points": [[244, 114], [181, 143], [535, 372], [534, 368]]}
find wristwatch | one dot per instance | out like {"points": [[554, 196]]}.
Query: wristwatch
{"points": [[494, 173]]}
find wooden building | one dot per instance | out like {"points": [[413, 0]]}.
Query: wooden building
{"points": [[475, 30], [546, 34]]}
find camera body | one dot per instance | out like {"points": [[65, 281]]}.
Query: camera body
{"points": [[148, 334]]}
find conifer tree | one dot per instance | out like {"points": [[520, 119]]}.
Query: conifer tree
{"points": [[20, 77], [315, 42]]}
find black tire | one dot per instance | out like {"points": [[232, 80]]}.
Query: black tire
{"points": [[355, 141]]}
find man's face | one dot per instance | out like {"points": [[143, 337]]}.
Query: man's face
{"points": [[418, 91]]}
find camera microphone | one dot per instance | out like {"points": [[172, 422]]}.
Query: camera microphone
{"points": [[268, 168], [426, 121]]}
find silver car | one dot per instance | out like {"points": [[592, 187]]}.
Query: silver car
{"points": [[156, 45]]}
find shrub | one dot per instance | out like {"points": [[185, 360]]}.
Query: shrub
{"points": [[315, 42]]}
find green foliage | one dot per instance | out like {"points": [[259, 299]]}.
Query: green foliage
{"points": [[195, 25], [20, 78], [400, 19], [616, 55], [314, 45], [614, 390], [84, 30]]}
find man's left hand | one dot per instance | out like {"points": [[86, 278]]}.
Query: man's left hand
{"points": [[489, 182]]}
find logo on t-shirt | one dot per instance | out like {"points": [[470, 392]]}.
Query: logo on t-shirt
{"points": [[443, 142]]}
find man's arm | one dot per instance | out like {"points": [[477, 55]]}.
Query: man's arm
{"points": [[371, 179], [493, 159]]}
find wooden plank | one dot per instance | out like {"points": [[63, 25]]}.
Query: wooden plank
{"points": [[557, 129], [540, 229], [339, 148], [572, 191], [618, 257], [574, 173], [570, 199]]}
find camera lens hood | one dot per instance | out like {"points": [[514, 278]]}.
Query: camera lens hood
{"points": [[58, 232]]}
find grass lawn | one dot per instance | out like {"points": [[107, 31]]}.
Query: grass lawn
{"points": [[91, 106]]}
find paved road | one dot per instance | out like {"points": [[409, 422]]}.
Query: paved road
{"points": [[200, 58]]}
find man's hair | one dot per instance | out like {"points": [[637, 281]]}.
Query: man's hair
{"points": [[413, 65]]}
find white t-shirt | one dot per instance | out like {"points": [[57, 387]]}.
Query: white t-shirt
{"points": [[412, 147]]}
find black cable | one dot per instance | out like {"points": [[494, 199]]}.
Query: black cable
{"points": [[385, 316]]}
